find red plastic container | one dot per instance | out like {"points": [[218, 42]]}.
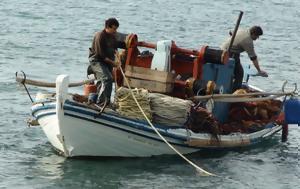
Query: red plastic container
{"points": [[89, 88]]}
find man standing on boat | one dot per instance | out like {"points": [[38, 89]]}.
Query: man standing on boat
{"points": [[102, 57], [244, 42]]}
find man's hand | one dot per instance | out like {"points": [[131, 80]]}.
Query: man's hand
{"points": [[117, 64], [117, 61], [262, 73]]}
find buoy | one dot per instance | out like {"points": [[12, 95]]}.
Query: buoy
{"points": [[89, 88], [292, 111]]}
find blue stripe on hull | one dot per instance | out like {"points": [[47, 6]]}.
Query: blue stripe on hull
{"points": [[129, 123], [128, 131], [138, 125], [72, 105]]}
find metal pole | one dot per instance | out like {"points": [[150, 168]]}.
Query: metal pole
{"points": [[285, 132], [235, 30]]}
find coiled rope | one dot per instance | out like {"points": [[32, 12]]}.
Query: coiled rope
{"points": [[205, 173], [127, 106]]}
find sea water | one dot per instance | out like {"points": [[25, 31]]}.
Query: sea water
{"points": [[48, 38]]}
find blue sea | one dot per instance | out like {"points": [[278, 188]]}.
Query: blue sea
{"points": [[48, 38]]}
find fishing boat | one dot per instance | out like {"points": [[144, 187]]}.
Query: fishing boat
{"points": [[198, 82]]}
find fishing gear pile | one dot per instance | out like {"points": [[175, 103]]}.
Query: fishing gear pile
{"points": [[168, 110], [126, 105]]}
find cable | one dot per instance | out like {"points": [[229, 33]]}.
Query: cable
{"points": [[206, 173]]}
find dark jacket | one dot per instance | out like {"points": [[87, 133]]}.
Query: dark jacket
{"points": [[104, 46]]}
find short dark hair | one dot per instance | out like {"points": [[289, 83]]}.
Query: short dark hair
{"points": [[111, 22], [256, 30]]}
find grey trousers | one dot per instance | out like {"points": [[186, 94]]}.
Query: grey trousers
{"points": [[104, 74]]}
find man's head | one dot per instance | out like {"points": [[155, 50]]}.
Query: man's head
{"points": [[111, 25], [255, 32]]}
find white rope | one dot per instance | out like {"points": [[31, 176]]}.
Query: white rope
{"points": [[127, 106], [206, 173]]}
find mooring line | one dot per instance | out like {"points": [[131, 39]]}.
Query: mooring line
{"points": [[157, 132]]}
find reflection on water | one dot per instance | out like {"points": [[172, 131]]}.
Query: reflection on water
{"points": [[50, 167]]}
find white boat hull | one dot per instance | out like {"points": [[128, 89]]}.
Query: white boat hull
{"points": [[82, 132], [76, 130], [90, 136]]}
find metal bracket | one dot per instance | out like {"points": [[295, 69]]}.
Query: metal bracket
{"points": [[294, 92], [23, 82]]}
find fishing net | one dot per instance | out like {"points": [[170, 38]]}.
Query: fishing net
{"points": [[168, 110]]}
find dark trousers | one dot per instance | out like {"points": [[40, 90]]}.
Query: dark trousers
{"points": [[238, 73], [103, 73]]}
